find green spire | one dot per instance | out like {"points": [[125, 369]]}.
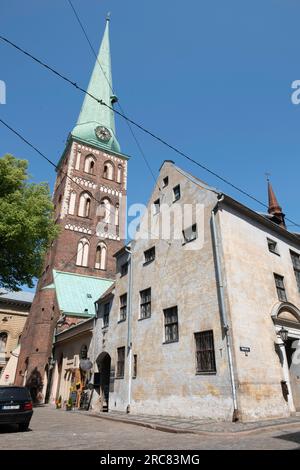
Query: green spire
{"points": [[94, 115]]}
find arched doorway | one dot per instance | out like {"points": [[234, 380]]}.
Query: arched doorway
{"points": [[104, 364], [286, 316]]}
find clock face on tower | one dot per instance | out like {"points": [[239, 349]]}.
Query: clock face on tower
{"points": [[102, 133]]}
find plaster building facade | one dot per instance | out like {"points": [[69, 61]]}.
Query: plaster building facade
{"points": [[14, 309], [90, 208], [203, 322], [72, 348]]}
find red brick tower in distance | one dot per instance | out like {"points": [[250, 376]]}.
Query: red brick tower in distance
{"points": [[90, 208]]}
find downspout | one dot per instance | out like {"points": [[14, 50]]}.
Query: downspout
{"points": [[129, 335], [224, 317]]}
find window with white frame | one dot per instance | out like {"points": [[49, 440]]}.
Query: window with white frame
{"points": [[84, 205], [89, 164], [82, 252], [108, 171], [101, 256], [72, 203]]}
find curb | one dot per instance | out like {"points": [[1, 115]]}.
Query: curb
{"points": [[174, 430]]}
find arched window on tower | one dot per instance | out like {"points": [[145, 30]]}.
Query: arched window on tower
{"points": [[117, 215], [106, 210], [84, 205], [108, 171], [82, 252], [119, 174], [101, 256], [3, 341], [89, 164], [72, 202]]}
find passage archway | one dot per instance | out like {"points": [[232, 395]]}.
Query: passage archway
{"points": [[104, 365], [287, 316]]}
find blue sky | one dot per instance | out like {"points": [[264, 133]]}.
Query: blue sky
{"points": [[213, 78]]}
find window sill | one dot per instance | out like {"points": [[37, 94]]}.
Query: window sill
{"points": [[206, 373], [122, 321], [171, 342], [274, 253], [105, 328], [189, 241], [119, 378], [175, 200], [148, 262], [144, 318]]}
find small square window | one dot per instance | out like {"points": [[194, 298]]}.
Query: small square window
{"points": [[165, 182], [156, 206], [176, 193], [273, 246], [149, 255], [190, 233]]}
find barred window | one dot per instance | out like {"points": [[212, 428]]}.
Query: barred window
{"points": [[190, 233], [123, 307], [279, 282], [120, 362], [145, 306], [106, 315], [171, 325], [205, 352], [296, 265], [149, 255]]}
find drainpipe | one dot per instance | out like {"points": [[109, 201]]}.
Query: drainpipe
{"points": [[129, 335], [223, 310]]}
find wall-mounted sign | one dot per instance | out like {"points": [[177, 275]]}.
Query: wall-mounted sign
{"points": [[244, 349]]}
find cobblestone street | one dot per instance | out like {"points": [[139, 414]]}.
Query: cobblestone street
{"points": [[57, 429]]}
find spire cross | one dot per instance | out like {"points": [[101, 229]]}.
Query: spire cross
{"points": [[108, 16]]}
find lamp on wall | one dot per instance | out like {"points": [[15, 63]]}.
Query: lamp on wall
{"points": [[283, 333]]}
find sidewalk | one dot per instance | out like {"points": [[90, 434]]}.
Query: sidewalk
{"points": [[191, 425]]}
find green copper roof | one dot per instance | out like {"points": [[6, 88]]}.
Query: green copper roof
{"points": [[92, 113], [76, 294]]}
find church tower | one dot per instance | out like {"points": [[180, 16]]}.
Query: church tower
{"points": [[90, 208]]}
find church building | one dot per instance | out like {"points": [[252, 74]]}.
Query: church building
{"points": [[90, 208]]}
